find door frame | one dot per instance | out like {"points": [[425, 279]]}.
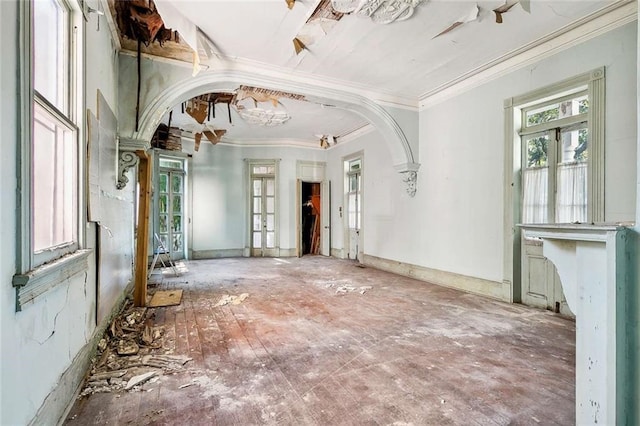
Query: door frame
{"points": [[249, 164], [313, 172], [186, 198], [345, 217]]}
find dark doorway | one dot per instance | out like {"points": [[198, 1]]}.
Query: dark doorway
{"points": [[310, 215]]}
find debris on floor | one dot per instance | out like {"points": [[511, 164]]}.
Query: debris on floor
{"points": [[165, 298], [125, 358], [352, 289], [344, 286], [228, 299]]}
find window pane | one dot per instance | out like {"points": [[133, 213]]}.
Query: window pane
{"points": [[271, 205], [574, 144], [535, 197], [54, 182], [49, 64], [257, 187], [163, 225], [257, 240], [177, 242], [271, 222], [176, 183], [177, 204], [352, 211], [162, 203], [571, 193], [271, 187], [557, 110], [163, 182], [257, 205], [271, 239], [257, 222], [537, 151], [170, 164], [176, 225]]}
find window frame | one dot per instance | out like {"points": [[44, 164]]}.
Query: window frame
{"points": [[36, 274], [594, 81]]}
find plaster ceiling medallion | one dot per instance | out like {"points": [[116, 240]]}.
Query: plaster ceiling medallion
{"points": [[387, 11], [262, 107], [345, 6], [261, 116]]}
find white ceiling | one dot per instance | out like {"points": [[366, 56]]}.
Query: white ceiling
{"points": [[401, 58]]}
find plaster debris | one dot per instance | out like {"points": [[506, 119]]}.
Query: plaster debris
{"points": [[137, 380], [127, 347], [125, 359], [233, 300]]}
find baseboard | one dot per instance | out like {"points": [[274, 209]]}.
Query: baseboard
{"points": [[337, 253], [217, 254], [288, 252], [58, 403], [465, 283]]}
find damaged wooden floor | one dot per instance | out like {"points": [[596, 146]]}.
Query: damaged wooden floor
{"points": [[324, 342]]}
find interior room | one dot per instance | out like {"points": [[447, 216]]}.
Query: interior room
{"points": [[319, 212]]}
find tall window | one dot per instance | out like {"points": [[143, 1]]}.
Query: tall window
{"points": [[54, 147], [555, 150], [49, 173]]}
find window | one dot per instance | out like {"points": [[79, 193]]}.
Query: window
{"points": [[49, 229], [555, 149]]}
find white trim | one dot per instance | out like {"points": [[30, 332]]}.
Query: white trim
{"points": [[355, 134], [464, 283], [394, 137], [216, 253], [33, 284], [611, 17], [269, 71]]}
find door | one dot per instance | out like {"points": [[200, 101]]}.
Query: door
{"points": [[263, 216], [170, 217], [354, 208]]}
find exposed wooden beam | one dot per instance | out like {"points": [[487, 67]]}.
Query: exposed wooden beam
{"points": [[142, 237]]}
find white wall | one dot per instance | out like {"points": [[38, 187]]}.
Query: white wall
{"points": [[462, 154], [455, 222], [220, 193], [40, 342]]}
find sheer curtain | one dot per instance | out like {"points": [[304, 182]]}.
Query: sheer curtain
{"points": [[571, 195], [535, 197]]}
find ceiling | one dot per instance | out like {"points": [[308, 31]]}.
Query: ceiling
{"points": [[406, 59]]}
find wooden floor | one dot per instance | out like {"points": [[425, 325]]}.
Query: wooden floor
{"points": [[324, 342]]}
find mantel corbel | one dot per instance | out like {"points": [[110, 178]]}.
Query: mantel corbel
{"points": [[409, 173], [127, 158]]}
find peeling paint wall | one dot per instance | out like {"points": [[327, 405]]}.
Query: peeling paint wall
{"points": [[40, 344]]}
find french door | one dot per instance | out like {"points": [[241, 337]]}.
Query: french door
{"points": [[170, 228], [263, 213]]}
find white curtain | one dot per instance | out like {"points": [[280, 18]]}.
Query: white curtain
{"points": [[571, 195], [535, 197]]}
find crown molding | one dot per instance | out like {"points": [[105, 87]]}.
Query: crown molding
{"points": [[609, 18]]}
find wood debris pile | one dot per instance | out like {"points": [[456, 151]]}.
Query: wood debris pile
{"points": [[127, 354]]}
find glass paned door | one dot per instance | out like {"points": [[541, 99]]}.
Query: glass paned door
{"points": [[171, 211], [354, 207], [263, 216]]}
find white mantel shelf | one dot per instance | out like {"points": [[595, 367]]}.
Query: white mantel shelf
{"points": [[590, 260]]}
